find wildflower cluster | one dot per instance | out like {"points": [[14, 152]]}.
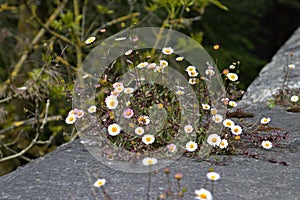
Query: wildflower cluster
{"points": [[286, 96], [151, 121], [128, 122]]}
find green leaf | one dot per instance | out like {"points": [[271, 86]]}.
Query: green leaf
{"points": [[218, 4], [104, 10]]}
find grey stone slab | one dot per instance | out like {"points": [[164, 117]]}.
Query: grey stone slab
{"points": [[64, 173], [271, 77]]}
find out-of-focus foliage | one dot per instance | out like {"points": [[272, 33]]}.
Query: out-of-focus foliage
{"points": [[251, 32]]}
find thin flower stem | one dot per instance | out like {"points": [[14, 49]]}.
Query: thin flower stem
{"points": [[169, 192], [178, 185], [149, 183], [106, 196], [212, 187]]}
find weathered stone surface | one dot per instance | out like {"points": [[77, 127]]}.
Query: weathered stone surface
{"points": [[63, 174], [272, 75]]}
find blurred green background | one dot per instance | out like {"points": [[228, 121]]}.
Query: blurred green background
{"points": [[42, 45]]}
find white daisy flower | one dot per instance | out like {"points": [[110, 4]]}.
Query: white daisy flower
{"points": [[118, 84], [190, 68], [139, 130], [188, 129], [180, 58], [203, 194], [148, 139], [192, 81], [171, 148], [120, 39], [179, 92], [265, 120], [214, 140], [209, 72], [127, 53], [111, 102], [159, 69], [114, 129], [71, 118], [231, 66], [142, 65], [228, 123], [80, 113], [72, 112], [128, 90], [217, 118], [232, 76], [193, 73], [232, 103], [99, 183], [145, 120], [294, 98], [163, 63], [213, 176], [167, 50], [128, 113], [92, 109], [149, 161], [118, 90], [90, 40], [236, 130], [205, 106], [114, 93], [152, 66], [266, 144], [291, 66], [213, 111], [22, 88], [223, 144], [191, 146]]}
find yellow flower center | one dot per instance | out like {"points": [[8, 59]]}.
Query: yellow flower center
{"points": [[131, 125], [203, 196], [100, 183], [114, 129], [191, 146], [160, 106], [148, 139], [214, 140], [112, 103], [236, 130]]}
